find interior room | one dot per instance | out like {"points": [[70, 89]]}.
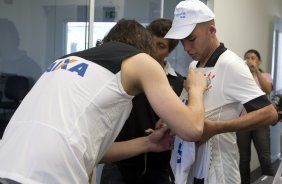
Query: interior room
{"points": [[34, 33]]}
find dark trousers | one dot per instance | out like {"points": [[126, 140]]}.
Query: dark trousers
{"points": [[111, 174], [261, 140]]}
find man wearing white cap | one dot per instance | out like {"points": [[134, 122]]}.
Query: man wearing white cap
{"points": [[231, 86]]}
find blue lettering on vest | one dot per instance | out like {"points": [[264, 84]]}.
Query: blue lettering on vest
{"points": [[79, 68], [64, 66], [179, 151], [53, 66]]}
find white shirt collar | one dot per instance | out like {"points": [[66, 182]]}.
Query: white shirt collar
{"points": [[169, 70]]}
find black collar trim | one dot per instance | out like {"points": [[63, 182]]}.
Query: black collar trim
{"points": [[214, 57]]}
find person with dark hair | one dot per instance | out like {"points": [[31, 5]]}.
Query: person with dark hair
{"points": [[13, 60], [159, 28], [231, 86], [259, 136], [69, 120], [149, 168]]}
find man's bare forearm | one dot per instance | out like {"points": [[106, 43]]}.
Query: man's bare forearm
{"points": [[126, 149], [256, 119]]}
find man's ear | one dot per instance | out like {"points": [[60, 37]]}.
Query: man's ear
{"points": [[212, 29], [259, 62]]}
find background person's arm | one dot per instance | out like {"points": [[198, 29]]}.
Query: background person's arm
{"points": [[265, 85]]}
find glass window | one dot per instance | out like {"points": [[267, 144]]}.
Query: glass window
{"points": [[34, 33], [75, 32], [277, 57], [46, 30]]}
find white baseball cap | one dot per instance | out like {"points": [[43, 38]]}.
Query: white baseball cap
{"points": [[187, 15]]}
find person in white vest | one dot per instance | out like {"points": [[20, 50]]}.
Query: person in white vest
{"points": [[74, 112], [231, 86]]}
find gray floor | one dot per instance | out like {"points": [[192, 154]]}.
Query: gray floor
{"points": [[256, 174]]}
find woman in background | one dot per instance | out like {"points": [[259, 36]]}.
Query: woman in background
{"points": [[260, 136]]}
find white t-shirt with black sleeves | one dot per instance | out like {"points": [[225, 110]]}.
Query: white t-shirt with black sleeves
{"points": [[232, 85]]}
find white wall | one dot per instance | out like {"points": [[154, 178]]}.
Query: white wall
{"points": [[246, 24]]}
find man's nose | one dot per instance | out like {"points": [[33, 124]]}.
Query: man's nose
{"points": [[186, 46]]}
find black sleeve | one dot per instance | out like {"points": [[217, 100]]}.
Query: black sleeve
{"points": [[108, 55], [257, 103], [176, 83]]}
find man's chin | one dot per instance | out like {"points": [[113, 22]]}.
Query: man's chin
{"points": [[194, 57]]}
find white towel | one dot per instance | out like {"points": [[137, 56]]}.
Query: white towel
{"points": [[182, 157], [200, 168], [183, 162], [187, 165]]}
